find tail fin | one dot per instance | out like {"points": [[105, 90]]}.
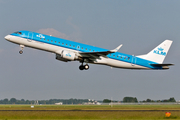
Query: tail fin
{"points": [[159, 53]]}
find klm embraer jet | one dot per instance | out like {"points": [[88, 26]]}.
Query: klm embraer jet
{"points": [[66, 50]]}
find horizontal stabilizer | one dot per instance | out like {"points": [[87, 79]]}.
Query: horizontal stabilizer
{"points": [[161, 64]]}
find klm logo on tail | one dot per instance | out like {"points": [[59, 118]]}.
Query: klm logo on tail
{"points": [[160, 51]]}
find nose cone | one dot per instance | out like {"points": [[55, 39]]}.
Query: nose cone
{"points": [[7, 37]]}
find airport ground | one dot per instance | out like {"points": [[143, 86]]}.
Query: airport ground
{"points": [[84, 112]]}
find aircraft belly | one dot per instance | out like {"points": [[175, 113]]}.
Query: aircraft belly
{"points": [[122, 64]]}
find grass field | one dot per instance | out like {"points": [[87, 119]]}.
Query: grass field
{"points": [[83, 112]]}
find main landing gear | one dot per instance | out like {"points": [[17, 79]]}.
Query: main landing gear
{"points": [[21, 51], [84, 67]]}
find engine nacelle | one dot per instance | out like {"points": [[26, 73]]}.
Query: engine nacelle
{"points": [[66, 56], [58, 57]]}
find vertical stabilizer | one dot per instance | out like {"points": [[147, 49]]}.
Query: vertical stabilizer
{"points": [[159, 53]]}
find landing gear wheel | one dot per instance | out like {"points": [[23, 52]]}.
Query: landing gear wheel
{"points": [[86, 67], [81, 67], [20, 51]]}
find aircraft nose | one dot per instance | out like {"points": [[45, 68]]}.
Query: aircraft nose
{"points": [[7, 37]]}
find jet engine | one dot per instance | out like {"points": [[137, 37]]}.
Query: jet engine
{"points": [[66, 56]]}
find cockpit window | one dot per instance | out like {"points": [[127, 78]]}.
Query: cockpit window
{"points": [[18, 33]]}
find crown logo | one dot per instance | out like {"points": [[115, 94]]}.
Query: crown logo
{"points": [[160, 49]]}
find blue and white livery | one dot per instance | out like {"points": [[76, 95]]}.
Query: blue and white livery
{"points": [[66, 50]]}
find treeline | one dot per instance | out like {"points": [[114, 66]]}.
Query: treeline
{"points": [[51, 101], [108, 101], [78, 101], [134, 100], [125, 100], [130, 100], [166, 100]]}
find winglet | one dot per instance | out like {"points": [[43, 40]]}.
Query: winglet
{"points": [[115, 50]]}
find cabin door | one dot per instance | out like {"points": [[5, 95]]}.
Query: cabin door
{"points": [[30, 36], [133, 62]]}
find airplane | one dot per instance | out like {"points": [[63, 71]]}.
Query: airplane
{"points": [[66, 50]]}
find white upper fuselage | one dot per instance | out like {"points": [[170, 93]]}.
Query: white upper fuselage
{"points": [[80, 52]]}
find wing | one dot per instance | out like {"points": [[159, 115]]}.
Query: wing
{"points": [[95, 55]]}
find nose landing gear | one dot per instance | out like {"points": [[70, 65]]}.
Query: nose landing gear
{"points": [[21, 51]]}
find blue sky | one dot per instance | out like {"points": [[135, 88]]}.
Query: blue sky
{"points": [[139, 25]]}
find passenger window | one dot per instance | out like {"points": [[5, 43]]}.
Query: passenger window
{"points": [[40, 38], [47, 40], [66, 44], [114, 55], [90, 50], [69, 45], [51, 40], [63, 43], [82, 48], [86, 48], [73, 45], [44, 38], [93, 50], [59, 42], [55, 41]]}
